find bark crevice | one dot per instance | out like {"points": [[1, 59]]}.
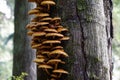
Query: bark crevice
{"points": [[82, 44]]}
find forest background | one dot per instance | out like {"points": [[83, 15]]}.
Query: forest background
{"points": [[7, 30]]}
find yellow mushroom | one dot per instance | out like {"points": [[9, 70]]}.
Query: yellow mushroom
{"points": [[65, 38], [48, 3], [54, 35], [51, 42], [45, 66], [50, 30], [59, 52], [60, 72], [33, 11], [55, 62], [38, 34]]}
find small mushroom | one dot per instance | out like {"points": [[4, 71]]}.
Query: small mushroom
{"points": [[51, 42], [35, 46], [35, 34], [39, 60], [54, 35], [59, 52], [60, 71], [55, 62], [65, 38], [30, 33], [42, 23], [45, 66], [57, 47], [48, 3], [33, 11], [46, 19], [56, 21], [50, 30], [61, 29], [42, 15]]}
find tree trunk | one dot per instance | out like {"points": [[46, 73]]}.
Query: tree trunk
{"points": [[89, 47], [23, 54]]}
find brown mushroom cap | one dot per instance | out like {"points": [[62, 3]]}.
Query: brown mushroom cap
{"points": [[57, 47], [60, 52], [54, 34], [65, 38], [39, 60], [45, 52], [46, 19], [45, 66], [50, 30], [47, 3], [40, 56], [54, 75], [38, 34], [54, 61], [42, 15], [30, 33], [51, 42], [60, 71], [42, 23], [56, 19], [36, 46], [33, 11], [60, 29]]}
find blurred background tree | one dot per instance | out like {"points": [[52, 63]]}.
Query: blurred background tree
{"points": [[7, 30]]}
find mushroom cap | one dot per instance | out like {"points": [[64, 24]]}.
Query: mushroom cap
{"points": [[42, 23], [51, 30], [60, 71], [45, 52], [54, 61], [33, 11], [65, 38], [45, 66], [61, 29], [38, 34], [45, 47], [30, 33], [42, 15], [61, 52], [47, 3], [54, 75], [40, 56], [57, 47], [51, 41], [53, 78], [36, 46], [39, 60], [46, 19], [54, 34], [56, 18]]}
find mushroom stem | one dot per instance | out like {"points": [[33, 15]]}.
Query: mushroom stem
{"points": [[60, 75], [48, 7], [57, 56], [47, 71], [56, 65]]}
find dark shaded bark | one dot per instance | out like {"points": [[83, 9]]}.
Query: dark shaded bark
{"points": [[89, 47], [23, 54]]}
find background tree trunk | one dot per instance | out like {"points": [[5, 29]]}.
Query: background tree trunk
{"points": [[23, 54], [89, 47]]}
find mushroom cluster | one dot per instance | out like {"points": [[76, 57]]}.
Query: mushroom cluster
{"points": [[47, 36]]}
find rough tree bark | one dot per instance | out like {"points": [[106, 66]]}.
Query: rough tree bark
{"points": [[23, 54], [89, 47]]}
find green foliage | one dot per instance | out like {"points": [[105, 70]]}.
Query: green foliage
{"points": [[21, 77]]}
